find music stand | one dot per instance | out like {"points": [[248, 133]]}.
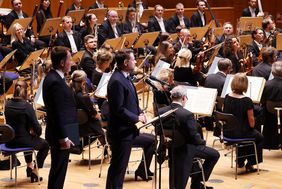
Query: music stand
{"points": [[99, 13], [250, 23], [146, 39], [128, 39], [121, 14], [32, 57], [147, 13], [76, 16], [101, 90], [24, 22], [50, 26], [114, 42], [279, 42], [76, 58], [245, 40], [198, 32], [3, 66], [218, 31], [174, 36]]}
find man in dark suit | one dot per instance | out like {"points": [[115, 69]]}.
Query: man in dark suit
{"points": [[62, 126], [138, 3], [187, 144], [130, 25], [99, 4], [217, 80], [256, 45], [87, 62], [69, 38], [110, 28], [178, 19], [251, 10], [76, 5], [263, 69], [198, 18], [124, 113]]}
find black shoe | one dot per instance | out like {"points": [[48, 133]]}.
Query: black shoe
{"points": [[201, 186], [34, 177], [28, 171], [142, 176], [150, 174], [250, 169]]}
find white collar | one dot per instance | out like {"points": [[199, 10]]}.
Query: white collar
{"points": [[159, 19], [62, 75], [125, 74], [69, 33]]}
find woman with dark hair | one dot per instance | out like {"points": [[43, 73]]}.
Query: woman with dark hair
{"points": [[43, 13], [231, 50], [27, 129], [90, 27], [242, 108], [165, 52]]}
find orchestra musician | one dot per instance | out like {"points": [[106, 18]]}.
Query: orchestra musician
{"points": [[99, 4], [242, 108], [27, 129], [198, 18], [68, 37], [263, 69], [178, 19], [87, 62], [273, 92], [76, 5], [252, 10], [131, 25], [110, 28], [256, 45], [91, 27], [165, 52]]}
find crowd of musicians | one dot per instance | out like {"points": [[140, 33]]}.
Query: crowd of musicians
{"points": [[68, 86]]}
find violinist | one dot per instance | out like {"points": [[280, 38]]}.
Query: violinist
{"points": [[178, 19], [198, 18], [263, 69], [227, 31], [165, 52], [270, 31], [231, 50], [256, 45]]}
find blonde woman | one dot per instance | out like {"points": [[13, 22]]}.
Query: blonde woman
{"points": [[182, 69]]}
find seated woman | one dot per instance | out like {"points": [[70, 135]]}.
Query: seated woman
{"points": [[182, 70], [83, 101], [165, 52], [23, 45], [242, 108], [91, 26], [272, 92], [27, 128]]}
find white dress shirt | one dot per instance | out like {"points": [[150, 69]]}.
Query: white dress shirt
{"points": [[161, 23], [72, 42]]}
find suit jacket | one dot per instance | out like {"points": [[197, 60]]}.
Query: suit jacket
{"points": [[127, 27], [262, 70], [88, 64], [124, 107], [196, 20], [61, 110], [105, 32], [247, 13], [215, 81], [133, 4], [254, 49], [272, 90], [23, 50], [63, 40], [174, 22], [95, 6], [71, 8], [153, 25]]}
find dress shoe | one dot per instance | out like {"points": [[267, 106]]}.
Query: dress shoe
{"points": [[34, 177], [142, 176], [28, 171], [201, 186], [250, 169], [150, 174]]}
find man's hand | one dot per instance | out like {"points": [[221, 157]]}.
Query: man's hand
{"points": [[66, 145], [142, 118]]}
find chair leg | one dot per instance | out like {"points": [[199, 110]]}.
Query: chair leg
{"points": [[236, 161], [11, 167], [89, 153], [102, 160], [202, 171], [145, 165], [256, 155]]}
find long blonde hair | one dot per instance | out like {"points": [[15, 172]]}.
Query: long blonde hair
{"points": [[183, 58], [14, 31]]}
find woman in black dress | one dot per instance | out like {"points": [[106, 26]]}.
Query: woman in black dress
{"points": [[27, 129], [83, 101], [242, 108]]}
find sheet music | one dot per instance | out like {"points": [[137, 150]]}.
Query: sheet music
{"points": [[38, 99], [255, 87], [160, 65], [201, 100], [101, 90], [214, 69]]}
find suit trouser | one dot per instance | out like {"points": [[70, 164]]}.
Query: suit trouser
{"points": [[120, 156], [58, 170]]}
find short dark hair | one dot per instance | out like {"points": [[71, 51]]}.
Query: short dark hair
{"points": [[198, 1], [87, 37], [268, 54], [224, 64], [255, 32], [58, 54], [121, 56]]}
